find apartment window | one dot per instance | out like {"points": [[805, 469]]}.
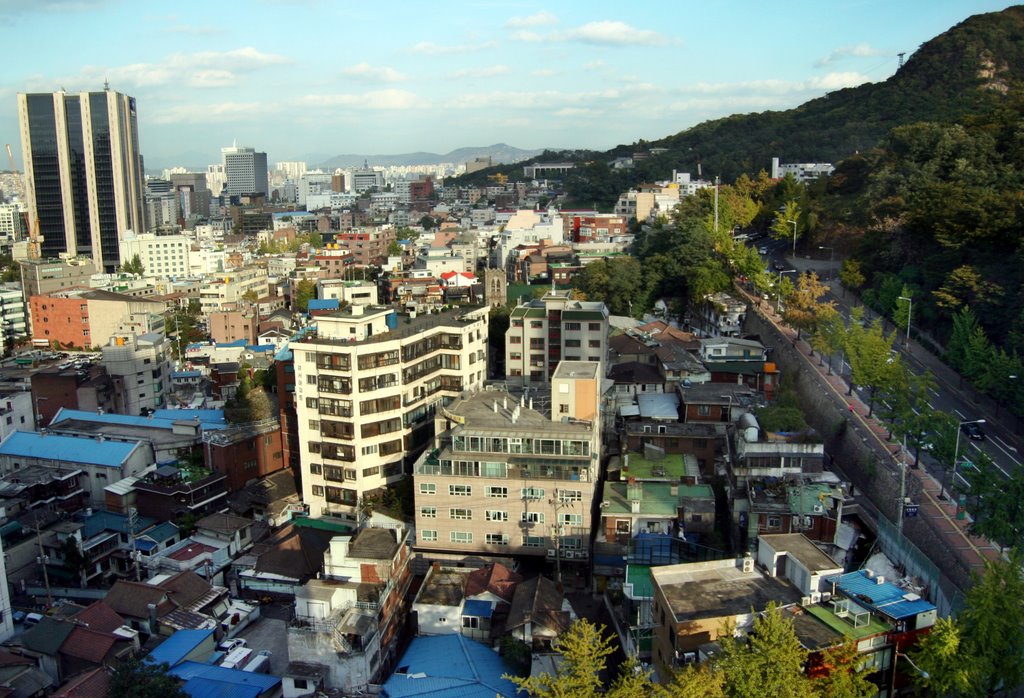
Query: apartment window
{"points": [[314, 447], [314, 424], [536, 324], [460, 490], [774, 522], [495, 515], [370, 472], [515, 340], [460, 514], [563, 409], [622, 526], [572, 343], [571, 326], [369, 450], [533, 517], [318, 491], [428, 536], [570, 519], [461, 537], [532, 493], [594, 343], [428, 512], [497, 492], [703, 410], [570, 495], [496, 539], [428, 488], [595, 327], [534, 541]]}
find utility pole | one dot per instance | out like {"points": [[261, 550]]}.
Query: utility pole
{"points": [[716, 203], [42, 560]]}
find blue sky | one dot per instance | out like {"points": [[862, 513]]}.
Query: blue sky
{"points": [[307, 79]]}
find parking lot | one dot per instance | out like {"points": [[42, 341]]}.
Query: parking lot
{"points": [[269, 634]]}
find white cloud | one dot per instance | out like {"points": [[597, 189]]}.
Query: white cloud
{"points": [[577, 112], [543, 73], [486, 72], [374, 100], [370, 73], [861, 50], [429, 48], [210, 113], [538, 19], [613, 33], [594, 65], [202, 69], [526, 36]]}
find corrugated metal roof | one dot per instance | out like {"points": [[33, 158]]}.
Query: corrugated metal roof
{"points": [[69, 449], [886, 598], [226, 678], [161, 419], [449, 666], [177, 646]]}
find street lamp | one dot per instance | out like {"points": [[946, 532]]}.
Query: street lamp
{"points": [[831, 258], [778, 291], [956, 450], [895, 659], [794, 235], [910, 311]]}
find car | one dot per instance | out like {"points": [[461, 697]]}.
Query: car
{"points": [[18, 616], [229, 646], [763, 249], [973, 431], [778, 265]]}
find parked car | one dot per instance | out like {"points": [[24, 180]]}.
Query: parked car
{"points": [[778, 265], [763, 249], [229, 646], [973, 431], [18, 616]]}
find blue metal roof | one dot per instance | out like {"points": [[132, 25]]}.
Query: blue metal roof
{"points": [[454, 667], [161, 419], [260, 347], [323, 304], [231, 682], [186, 374], [109, 521], [886, 598], [478, 608], [175, 648], [69, 449], [162, 531], [229, 345]]}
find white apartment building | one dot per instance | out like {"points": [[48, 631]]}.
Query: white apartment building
{"points": [[367, 384], [527, 227], [552, 329], [206, 260], [801, 171], [291, 170], [504, 478], [140, 367], [230, 288], [329, 199], [352, 292], [13, 318], [11, 227], [161, 255], [312, 183]]}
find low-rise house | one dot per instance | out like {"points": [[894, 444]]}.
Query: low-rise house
{"points": [[775, 454], [539, 613], [448, 665], [169, 603], [171, 493], [203, 680], [20, 677], [184, 646], [718, 315], [234, 531], [304, 679], [350, 618], [273, 499], [792, 505], [472, 602], [293, 555], [695, 438]]}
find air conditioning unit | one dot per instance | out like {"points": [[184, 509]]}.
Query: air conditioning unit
{"points": [[582, 554], [808, 521], [805, 600], [815, 597], [552, 553], [826, 595], [748, 564], [819, 509]]}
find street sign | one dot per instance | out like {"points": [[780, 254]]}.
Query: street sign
{"points": [[910, 510]]}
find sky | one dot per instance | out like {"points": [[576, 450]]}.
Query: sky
{"points": [[309, 79]]}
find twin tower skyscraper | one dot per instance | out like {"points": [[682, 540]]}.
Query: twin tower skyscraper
{"points": [[83, 171]]}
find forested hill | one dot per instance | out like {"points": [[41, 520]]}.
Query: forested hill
{"points": [[969, 69]]}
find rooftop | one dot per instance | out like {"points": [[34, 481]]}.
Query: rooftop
{"points": [[407, 327], [717, 589], [449, 665], [374, 543], [800, 547], [668, 466], [54, 447], [656, 498], [443, 587], [880, 594], [496, 411], [847, 626]]}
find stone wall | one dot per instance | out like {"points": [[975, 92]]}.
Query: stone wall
{"points": [[859, 458]]}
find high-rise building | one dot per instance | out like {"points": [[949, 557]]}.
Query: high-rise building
{"points": [[84, 171], [245, 171]]}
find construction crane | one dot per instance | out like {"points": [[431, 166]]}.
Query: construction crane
{"points": [[19, 183]]}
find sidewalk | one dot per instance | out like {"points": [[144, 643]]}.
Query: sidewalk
{"points": [[943, 512]]}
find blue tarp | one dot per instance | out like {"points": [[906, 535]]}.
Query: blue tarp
{"points": [[478, 608]]}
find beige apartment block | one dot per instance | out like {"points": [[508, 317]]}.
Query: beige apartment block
{"points": [[367, 385], [510, 474]]}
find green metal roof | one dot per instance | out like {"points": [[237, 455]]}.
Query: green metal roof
{"points": [[321, 525], [640, 577], [582, 315], [746, 368], [671, 467]]}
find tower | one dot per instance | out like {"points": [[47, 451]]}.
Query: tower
{"points": [[496, 287], [245, 171], [83, 170]]}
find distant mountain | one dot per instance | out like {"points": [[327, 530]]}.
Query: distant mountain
{"points": [[499, 153]]}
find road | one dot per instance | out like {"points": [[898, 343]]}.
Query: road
{"points": [[952, 395]]}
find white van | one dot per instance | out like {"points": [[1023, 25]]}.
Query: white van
{"points": [[237, 658], [33, 618], [260, 664]]}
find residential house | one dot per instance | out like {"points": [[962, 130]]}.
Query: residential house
{"points": [[539, 613], [201, 680], [172, 493], [474, 602], [447, 664], [289, 558]]}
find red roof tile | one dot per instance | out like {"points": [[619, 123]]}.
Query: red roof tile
{"points": [[89, 645], [92, 684], [495, 578], [100, 617]]}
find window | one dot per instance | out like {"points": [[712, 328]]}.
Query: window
{"points": [[532, 493], [495, 515], [461, 537], [498, 492], [774, 522], [563, 409], [570, 495], [571, 326], [427, 536], [471, 622], [594, 343], [460, 514], [572, 343], [314, 424], [534, 541], [314, 447], [428, 512], [533, 516], [428, 488], [515, 340], [570, 519], [496, 539], [622, 526], [318, 491], [460, 490], [703, 410], [595, 327]]}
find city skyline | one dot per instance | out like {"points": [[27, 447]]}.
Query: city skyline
{"points": [[309, 79]]}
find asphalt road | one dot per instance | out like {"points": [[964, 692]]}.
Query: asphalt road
{"points": [[951, 394]]}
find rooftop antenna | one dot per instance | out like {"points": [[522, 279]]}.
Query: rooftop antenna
{"points": [[106, 85], [901, 54]]}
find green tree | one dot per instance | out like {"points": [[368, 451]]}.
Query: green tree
{"points": [[850, 274], [945, 668], [617, 282], [869, 353], [965, 325], [827, 338], [804, 308], [135, 678], [768, 662], [842, 675], [901, 309], [305, 291], [395, 248], [428, 223], [996, 501], [991, 626], [693, 682], [783, 227], [944, 430], [584, 648], [133, 266]]}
